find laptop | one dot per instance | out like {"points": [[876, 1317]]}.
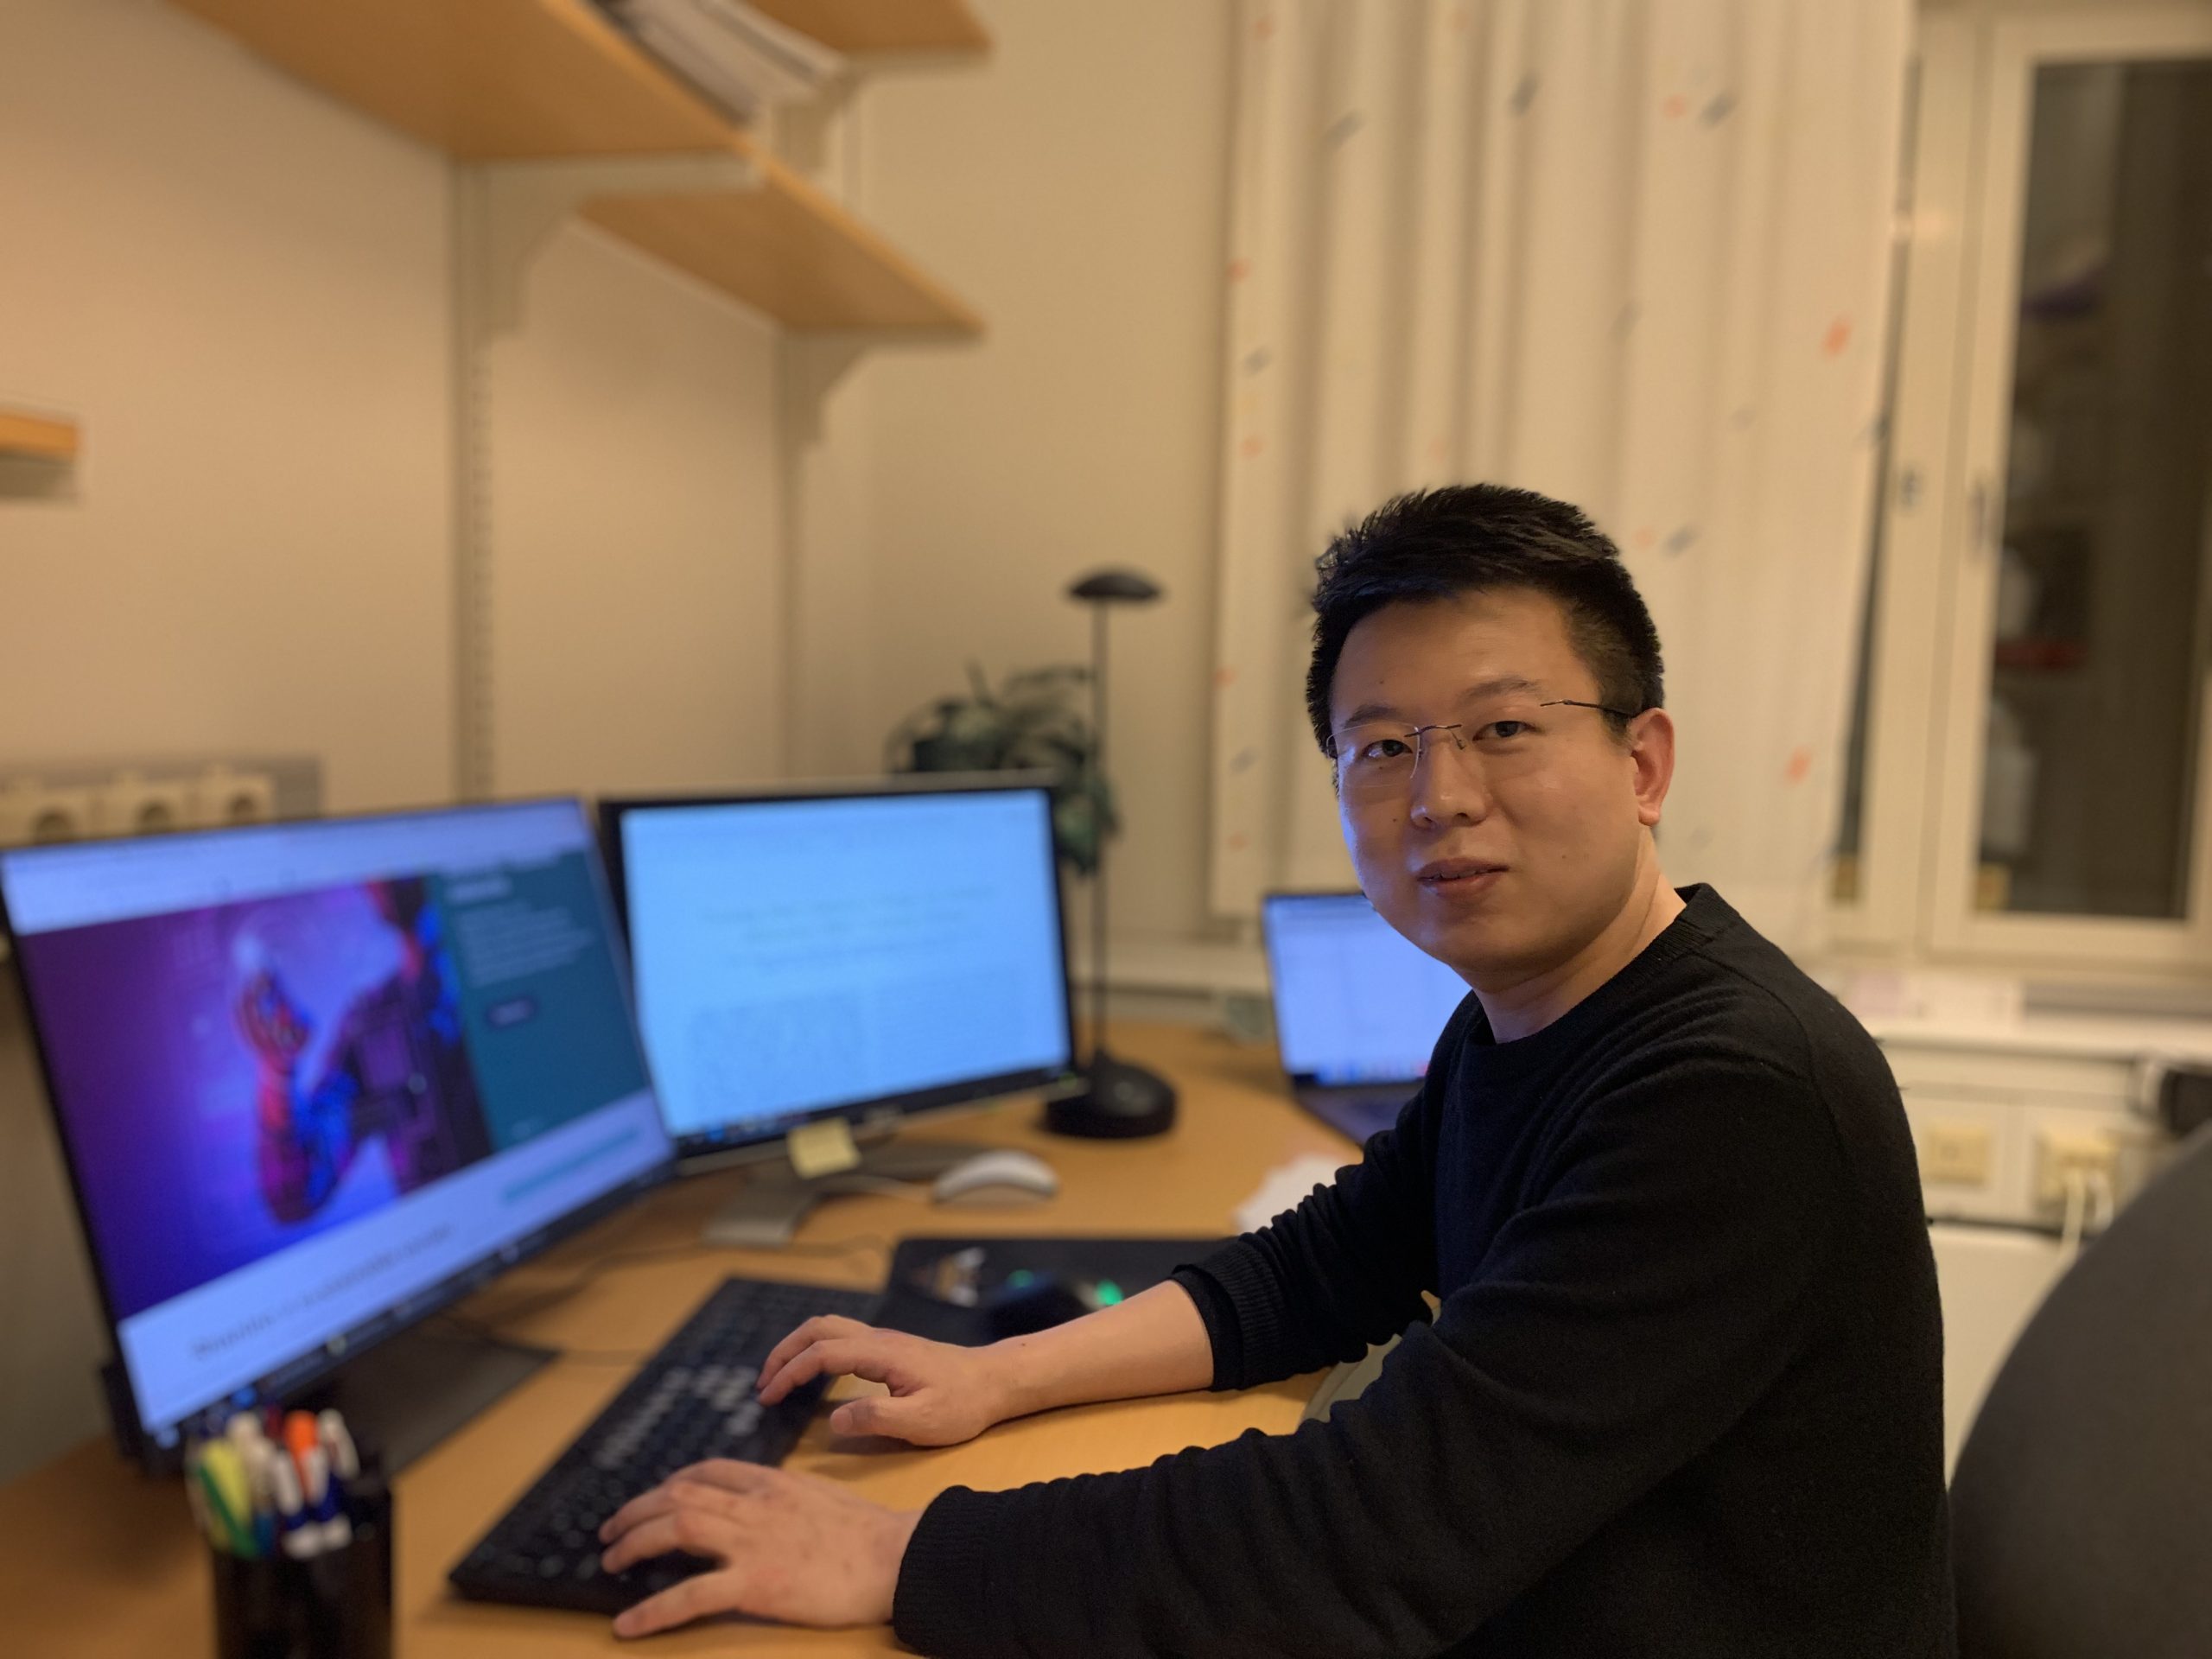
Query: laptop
{"points": [[1358, 1006]]}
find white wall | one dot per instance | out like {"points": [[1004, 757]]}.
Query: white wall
{"points": [[245, 292], [241, 293], [1071, 188], [637, 555]]}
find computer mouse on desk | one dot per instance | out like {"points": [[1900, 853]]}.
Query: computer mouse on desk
{"points": [[1001, 1176]]}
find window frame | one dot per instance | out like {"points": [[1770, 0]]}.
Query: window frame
{"points": [[1929, 667]]}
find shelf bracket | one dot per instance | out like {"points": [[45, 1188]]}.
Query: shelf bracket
{"points": [[503, 214], [507, 209]]}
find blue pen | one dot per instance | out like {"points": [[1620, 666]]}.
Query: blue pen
{"points": [[326, 1527], [300, 1540], [259, 1455]]}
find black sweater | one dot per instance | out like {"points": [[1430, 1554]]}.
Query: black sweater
{"points": [[1682, 1395]]}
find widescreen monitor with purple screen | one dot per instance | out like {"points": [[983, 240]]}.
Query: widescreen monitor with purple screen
{"points": [[314, 1081]]}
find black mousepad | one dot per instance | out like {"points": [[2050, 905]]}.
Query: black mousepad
{"points": [[971, 1291]]}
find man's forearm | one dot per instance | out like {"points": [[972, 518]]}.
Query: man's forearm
{"points": [[1155, 1343]]}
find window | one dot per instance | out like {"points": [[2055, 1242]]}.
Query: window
{"points": [[2029, 777]]}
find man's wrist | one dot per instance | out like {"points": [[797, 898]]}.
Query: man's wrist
{"points": [[1020, 1386], [897, 1532]]}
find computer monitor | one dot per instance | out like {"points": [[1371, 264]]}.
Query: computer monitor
{"points": [[866, 953], [315, 1081], [1355, 1001]]}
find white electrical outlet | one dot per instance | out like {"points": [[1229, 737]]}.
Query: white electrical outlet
{"points": [[2063, 1154], [221, 796], [74, 800], [134, 805], [1955, 1153], [31, 814]]}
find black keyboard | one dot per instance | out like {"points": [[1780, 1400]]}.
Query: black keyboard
{"points": [[693, 1399]]}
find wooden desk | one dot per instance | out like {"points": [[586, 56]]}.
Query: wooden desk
{"points": [[96, 1560]]}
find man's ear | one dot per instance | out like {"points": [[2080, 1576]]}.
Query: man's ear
{"points": [[1651, 750]]}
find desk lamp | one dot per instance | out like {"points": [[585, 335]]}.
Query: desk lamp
{"points": [[1119, 1101]]}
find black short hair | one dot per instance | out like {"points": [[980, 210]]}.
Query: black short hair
{"points": [[1433, 545]]}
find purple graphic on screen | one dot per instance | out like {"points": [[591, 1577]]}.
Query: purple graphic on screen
{"points": [[190, 1053]]}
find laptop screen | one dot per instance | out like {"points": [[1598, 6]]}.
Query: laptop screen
{"points": [[1356, 1000]]}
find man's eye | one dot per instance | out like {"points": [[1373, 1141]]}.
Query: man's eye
{"points": [[1385, 748], [1507, 728]]}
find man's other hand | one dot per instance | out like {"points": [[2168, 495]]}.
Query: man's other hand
{"points": [[940, 1394], [789, 1547]]}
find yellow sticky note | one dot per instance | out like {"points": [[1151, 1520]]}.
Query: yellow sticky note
{"points": [[823, 1148]]}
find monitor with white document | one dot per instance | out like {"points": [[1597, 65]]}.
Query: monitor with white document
{"points": [[843, 956], [315, 1081], [1358, 1006]]}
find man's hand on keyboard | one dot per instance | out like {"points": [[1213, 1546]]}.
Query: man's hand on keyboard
{"points": [[940, 1394], [789, 1547]]}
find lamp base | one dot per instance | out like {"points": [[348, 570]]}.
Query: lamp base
{"points": [[1122, 1102]]}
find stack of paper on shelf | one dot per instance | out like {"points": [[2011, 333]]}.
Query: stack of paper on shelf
{"points": [[741, 60]]}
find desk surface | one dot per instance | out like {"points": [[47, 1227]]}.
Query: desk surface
{"points": [[96, 1560]]}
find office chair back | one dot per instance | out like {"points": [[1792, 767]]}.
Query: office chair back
{"points": [[2082, 1506]]}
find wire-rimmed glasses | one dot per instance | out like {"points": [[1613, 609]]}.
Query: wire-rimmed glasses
{"points": [[1377, 759]]}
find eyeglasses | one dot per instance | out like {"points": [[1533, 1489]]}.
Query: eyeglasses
{"points": [[1377, 761]]}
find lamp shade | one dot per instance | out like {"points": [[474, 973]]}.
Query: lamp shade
{"points": [[1126, 586]]}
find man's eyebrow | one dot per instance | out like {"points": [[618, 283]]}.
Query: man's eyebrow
{"points": [[1503, 685]]}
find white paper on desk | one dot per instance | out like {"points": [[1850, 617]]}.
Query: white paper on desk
{"points": [[1285, 1187]]}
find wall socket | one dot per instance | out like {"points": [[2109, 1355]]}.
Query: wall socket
{"points": [[1955, 1152], [79, 801], [2062, 1154]]}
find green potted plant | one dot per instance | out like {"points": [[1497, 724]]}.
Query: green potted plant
{"points": [[1031, 722]]}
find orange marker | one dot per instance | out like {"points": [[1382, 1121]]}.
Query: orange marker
{"points": [[301, 1436]]}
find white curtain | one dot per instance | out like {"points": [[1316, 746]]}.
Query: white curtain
{"points": [[1632, 253]]}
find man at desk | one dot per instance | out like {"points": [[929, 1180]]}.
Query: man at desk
{"points": [[1682, 1392]]}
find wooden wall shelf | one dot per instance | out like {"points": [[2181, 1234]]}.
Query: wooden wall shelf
{"points": [[491, 80], [37, 437], [862, 27], [786, 249], [483, 80]]}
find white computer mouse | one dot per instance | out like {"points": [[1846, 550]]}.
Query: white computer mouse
{"points": [[1001, 1176]]}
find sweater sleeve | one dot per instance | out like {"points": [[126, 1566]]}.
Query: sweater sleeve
{"points": [[1626, 1316], [1346, 1268]]}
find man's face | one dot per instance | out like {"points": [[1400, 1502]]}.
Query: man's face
{"points": [[1505, 857]]}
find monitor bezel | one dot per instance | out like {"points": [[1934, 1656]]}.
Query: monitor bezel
{"points": [[143, 1441], [882, 1112]]}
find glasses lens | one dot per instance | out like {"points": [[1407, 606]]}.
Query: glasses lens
{"points": [[1377, 760]]}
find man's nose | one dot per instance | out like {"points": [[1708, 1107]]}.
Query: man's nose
{"points": [[1448, 784]]}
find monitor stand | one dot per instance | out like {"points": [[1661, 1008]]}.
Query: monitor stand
{"points": [[399, 1399], [775, 1197], [407, 1394]]}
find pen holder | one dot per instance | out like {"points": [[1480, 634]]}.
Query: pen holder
{"points": [[334, 1606]]}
